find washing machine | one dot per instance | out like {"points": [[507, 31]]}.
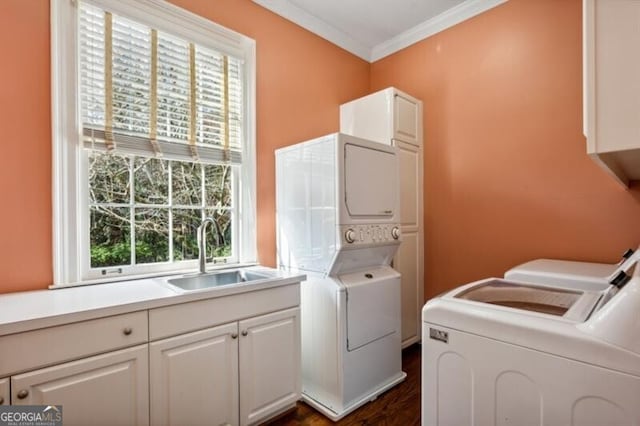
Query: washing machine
{"points": [[501, 352]]}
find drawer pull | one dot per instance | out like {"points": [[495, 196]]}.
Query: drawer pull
{"points": [[127, 331], [23, 394], [245, 332], [234, 335]]}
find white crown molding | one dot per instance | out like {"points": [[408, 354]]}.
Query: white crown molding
{"points": [[451, 17], [445, 20], [317, 26]]}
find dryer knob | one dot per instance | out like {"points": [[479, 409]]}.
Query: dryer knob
{"points": [[395, 232], [350, 236]]}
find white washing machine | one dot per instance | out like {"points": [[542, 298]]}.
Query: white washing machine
{"points": [[580, 275], [338, 221], [498, 352]]}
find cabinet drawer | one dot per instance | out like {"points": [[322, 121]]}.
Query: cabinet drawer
{"points": [[38, 348], [186, 317]]}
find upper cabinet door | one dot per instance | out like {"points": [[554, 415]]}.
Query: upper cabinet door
{"points": [[612, 85], [406, 119]]}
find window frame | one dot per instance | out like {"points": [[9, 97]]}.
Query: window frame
{"points": [[70, 193]]}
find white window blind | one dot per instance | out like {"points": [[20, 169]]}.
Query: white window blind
{"points": [[147, 93]]}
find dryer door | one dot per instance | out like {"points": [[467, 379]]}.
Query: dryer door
{"points": [[373, 305], [370, 181]]}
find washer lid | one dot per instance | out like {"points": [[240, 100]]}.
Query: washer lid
{"points": [[563, 273]]}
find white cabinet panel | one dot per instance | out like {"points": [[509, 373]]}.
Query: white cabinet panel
{"points": [[406, 262], [405, 119], [410, 179], [269, 364], [612, 85], [4, 392], [110, 389], [194, 378]]}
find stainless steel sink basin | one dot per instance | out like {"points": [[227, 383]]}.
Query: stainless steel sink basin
{"points": [[215, 279]]}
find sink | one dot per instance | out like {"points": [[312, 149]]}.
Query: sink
{"points": [[215, 279]]}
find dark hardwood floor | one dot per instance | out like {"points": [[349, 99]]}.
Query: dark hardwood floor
{"points": [[398, 406]]}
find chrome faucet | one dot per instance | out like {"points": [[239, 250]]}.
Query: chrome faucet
{"points": [[202, 243]]}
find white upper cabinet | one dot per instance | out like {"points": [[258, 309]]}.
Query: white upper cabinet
{"points": [[383, 116], [612, 86]]}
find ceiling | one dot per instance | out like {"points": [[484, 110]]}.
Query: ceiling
{"points": [[373, 29]]}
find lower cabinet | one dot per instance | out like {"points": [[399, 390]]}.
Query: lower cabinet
{"points": [[4, 391], [269, 365], [194, 378], [239, 373], [108, 389]]}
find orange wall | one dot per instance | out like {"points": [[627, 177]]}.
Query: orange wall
{"points": [[507, 178], [506, 174], [25, 129], [301, 80]]}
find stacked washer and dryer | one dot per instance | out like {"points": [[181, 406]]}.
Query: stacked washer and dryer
{"points": [[338, 221]]}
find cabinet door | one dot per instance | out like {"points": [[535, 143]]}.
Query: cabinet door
{"points": [[194, 378], [406, 119], [407, 263], [269, 365], [410, 163], [409, 260], [4, 391], [109, 389]]}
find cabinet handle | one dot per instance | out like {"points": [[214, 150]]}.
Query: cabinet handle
{"points": [[23, 394], [245, 332], [127, 331], [234, 335]]}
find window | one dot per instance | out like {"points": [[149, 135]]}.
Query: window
{"points": [[153, 119]]}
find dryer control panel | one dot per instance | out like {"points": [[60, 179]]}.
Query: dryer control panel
{"points": [[369, 234]]}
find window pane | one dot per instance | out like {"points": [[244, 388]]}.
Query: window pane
{"points": [[108, 178], [217, 186], [185, 225], [110, 236], [152, 235], [219, 236], [186, 183], [151, 181]]}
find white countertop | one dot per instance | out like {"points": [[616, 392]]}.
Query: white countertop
{"points": [[31, 310]]}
